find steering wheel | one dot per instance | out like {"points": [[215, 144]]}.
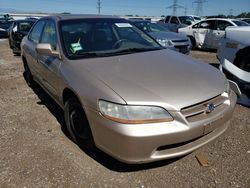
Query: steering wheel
{"points": [[119, 42]]}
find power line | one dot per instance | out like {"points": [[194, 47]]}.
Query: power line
{"points": [[199, 7], [175, 6], [99, 6], [230, 12]]}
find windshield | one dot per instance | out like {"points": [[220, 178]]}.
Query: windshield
{"points": [[186, 19], [197, 18], [240, 23], [149, 27], [103, 37]]}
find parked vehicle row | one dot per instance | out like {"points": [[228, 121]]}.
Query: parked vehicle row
{"points": [[123, 92], [234, 56]]}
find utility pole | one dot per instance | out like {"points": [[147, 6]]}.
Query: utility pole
{"points": [[99, 6], [230, 14], [175, 6], [199, 7], [185, 11]]}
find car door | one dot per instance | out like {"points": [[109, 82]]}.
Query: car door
{"points": [[219, 32], [174, 23], [50, 64], [203, 33], [30, 49]]}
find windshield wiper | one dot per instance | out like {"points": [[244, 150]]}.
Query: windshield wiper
{"points": [[89, 54], [132, 50]]}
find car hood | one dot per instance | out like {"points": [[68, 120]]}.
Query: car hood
{"points": [[167, 35], [161, 77]]}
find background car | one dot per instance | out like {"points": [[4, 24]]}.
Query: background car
{"points": [[123, 92], [5, 24], [207, 33], [17, 31], [174, 22], [234, 56], [174, 41], [246, 20]]}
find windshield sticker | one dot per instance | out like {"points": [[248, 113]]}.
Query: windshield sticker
{"points": [[74, 47], [123, 25]]}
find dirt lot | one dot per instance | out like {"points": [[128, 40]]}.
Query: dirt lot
{"points": [[35, 151]]}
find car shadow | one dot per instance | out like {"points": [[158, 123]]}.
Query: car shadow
{"points": [[96, 154], [205, 50], [216, 65]]}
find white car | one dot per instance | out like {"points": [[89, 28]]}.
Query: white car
{"points": [[234, 56], [207, 33]]}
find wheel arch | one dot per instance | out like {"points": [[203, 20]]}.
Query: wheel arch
{"points": [[241, 53]]}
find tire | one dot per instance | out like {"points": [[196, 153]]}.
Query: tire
{"points": [[193, 42], [28, 76], [244, 62], [77, 123], [16, 53]]}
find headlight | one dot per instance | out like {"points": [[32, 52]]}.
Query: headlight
{"points": [[133, 114], [165, 43]]}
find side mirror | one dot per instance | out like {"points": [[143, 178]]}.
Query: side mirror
{"points": [[46, 49]]}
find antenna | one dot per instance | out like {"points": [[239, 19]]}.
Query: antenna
{"points": [[199, 7], [175, 6], [99, 6]]}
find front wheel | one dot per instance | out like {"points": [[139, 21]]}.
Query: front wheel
{"points": [[193, 42], [244, 64], [77, 123]]}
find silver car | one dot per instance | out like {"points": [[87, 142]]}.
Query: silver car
{"points": [[122, 92], [174, 41]]}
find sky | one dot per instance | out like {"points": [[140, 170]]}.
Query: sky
{"points": [[125, 7]]}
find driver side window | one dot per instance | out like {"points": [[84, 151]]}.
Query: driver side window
{"points": [[35, 34], [49, 34]]}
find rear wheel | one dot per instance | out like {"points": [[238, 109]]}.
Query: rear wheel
{"points": [[27, 75], [15, 53], [77, 123]]}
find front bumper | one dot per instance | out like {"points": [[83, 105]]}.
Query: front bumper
{"points": [[142, 143], [182, 47], [239, 81]]}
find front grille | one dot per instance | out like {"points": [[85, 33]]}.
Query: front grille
{"points": [[200, 111], [171, 146], [179, 41]]}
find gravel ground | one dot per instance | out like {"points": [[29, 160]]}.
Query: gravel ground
{"points": [[35, 151]]}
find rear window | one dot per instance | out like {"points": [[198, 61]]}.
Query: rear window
{"points": [[25, 26], [240, 23]]}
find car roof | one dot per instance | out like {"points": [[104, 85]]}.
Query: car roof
{"points": [[226, 19], [78, 16], [24, 20]]}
